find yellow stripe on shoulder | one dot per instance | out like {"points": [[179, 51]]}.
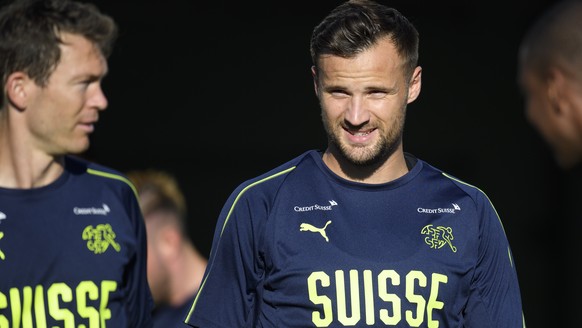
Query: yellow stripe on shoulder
{"points": [[481, 191], [114, 176], [200, 290], [249, 187], [472, 186], [492, 206]]}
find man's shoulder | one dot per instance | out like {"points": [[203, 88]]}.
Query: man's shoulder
{"points": [[270, 181], [86, 169], [285, 168], [80, 164]]}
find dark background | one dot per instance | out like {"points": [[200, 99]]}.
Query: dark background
{"points": [[218, 92]]}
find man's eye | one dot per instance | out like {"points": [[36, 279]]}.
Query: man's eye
{"points": [[339, 93], [377, 94]]}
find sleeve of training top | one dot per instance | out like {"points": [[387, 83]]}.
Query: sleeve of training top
{"points": [[495, 299], [140, 301], [229, 287]]}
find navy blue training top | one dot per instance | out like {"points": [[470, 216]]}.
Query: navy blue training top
{"points": [[73, 253], [167, 316], [301, 247]]}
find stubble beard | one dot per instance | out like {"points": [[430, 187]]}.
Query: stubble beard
{"points": [[369, 155]]}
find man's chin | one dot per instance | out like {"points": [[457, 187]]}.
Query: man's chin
{"points": [[361, 157], [79, 148]]}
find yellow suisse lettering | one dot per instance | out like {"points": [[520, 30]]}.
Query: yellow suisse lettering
{"points": [[3, 305], [88, 290], [390, 298], [25, 309], [21, 311], [106, 288], [325, 318], [369, 297], [433, 304], [342, 315], [15, 306], [39, 310], [58, 291], [413, 298], [386, 281]]}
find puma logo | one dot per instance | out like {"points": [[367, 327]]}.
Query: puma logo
{"points": [[309, 227]]}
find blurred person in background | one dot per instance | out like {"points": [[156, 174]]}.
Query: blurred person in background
{"points": [[550, 77], [175, 267]]}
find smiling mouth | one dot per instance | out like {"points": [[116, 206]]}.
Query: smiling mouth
{"points": [[358, 133]]}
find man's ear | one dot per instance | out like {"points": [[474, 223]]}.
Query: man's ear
{"points": [[414, 85], [16, 89], [314, 76], [169, 241], [557, 91]]}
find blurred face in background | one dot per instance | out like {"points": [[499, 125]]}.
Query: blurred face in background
{"points": [[157, 271], [553, 106]]}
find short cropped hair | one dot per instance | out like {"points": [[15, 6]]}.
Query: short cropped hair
{"points": [[554, 41], [30, 34], [356, 25]]}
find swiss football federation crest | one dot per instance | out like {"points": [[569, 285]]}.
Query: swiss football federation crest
{"points": [[437, 237], [100, 238]]}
